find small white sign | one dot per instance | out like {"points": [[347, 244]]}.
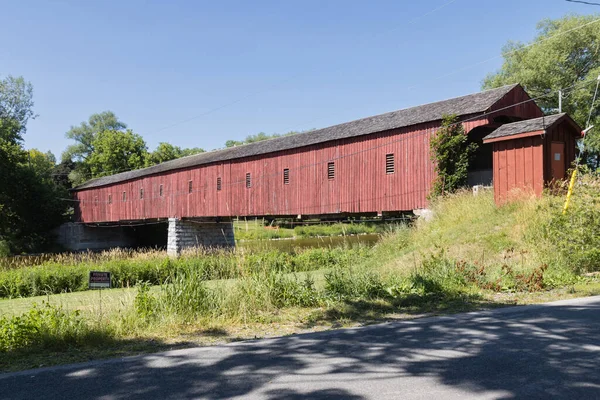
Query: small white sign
{"points": [[556, 156]]}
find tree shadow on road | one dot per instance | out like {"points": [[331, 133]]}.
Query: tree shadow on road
{"points": [[552, 351], [377, 310]]}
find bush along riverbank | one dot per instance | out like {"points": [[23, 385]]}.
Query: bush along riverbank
{"points": [[471, 254]]}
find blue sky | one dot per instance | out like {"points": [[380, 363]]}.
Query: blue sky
{"points": [[284, 65]]}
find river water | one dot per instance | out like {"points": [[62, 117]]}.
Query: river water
{"points": [[294, 243]]}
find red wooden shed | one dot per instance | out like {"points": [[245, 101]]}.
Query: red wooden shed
{"points": [[528, 155]]}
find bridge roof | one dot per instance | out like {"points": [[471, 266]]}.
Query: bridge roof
{"points": [[464, 105], [507, 131]]}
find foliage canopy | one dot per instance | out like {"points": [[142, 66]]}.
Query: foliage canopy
{"points": [[30, 204], [116, 151], [167, 152], [559, 58]]}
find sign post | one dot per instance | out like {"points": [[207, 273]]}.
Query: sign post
{"points": [[99, 280]]}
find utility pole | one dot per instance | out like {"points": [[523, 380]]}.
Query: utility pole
{"points": [[559, 101]]}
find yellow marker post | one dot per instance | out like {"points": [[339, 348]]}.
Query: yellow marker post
{"points": [[570, 191]]}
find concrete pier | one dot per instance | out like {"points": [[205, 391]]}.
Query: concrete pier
{"points": [[189, 233]]}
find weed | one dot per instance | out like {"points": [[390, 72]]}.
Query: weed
{"points": [[145, 304]]}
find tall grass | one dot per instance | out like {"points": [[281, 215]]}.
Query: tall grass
{"points": [[22, 261], [188, 297], [156, 268]]}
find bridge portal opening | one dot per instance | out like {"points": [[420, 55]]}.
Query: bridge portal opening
{"points": [[152, 235], [480, 171]]}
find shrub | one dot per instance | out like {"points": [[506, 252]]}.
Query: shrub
{"points": [[450, 153], [49, 327], [4, 248]]}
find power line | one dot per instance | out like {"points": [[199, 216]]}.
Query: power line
{"points": [[470, 66], [584, 2], [520, 48], [587, 124]]}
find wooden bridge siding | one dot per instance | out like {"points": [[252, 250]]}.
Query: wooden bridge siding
{"points": [[360, 185], [522, 110], [518, 164]]}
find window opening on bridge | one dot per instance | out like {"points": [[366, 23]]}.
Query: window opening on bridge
{"points": [[95, 201], [286, 176], [389, 164], [160, 190], [248, 180], [124, 196], [141, 193], [110, 199], [219, 183], [330, 170], [190, 187]]}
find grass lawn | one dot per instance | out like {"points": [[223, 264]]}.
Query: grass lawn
{"points": [[85, 301]]}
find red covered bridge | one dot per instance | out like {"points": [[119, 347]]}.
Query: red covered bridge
{"points": [[375, 165]]}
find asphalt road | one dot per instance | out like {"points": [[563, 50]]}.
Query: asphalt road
{"points": [[545, 351]]}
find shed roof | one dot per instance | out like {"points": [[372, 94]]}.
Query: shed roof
{"points": [[529, 125], [464, 105]]}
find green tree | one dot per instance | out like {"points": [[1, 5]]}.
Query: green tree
{"points": [[30, 205], [43, 164], [16, 108], [191, 151], [450, 153], [558, 58], [61, 173], [260, 137], [167, 152], [84, 136], [116, 151]]}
